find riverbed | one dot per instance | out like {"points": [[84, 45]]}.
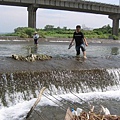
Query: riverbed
{"points": [[70, 82]]}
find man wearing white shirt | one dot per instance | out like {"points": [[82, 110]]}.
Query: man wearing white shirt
{"points": [[36, 37]]}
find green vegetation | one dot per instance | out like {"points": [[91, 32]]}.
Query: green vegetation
{"points": [[50, 31]]}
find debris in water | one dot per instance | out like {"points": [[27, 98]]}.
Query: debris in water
{"points": [[31, 57], [105, 110], [91, 115]]}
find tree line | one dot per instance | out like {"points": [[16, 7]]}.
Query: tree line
{"points": [[104, 32]]}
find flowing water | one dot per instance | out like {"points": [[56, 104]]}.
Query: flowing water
{"points": [[65, 88]]}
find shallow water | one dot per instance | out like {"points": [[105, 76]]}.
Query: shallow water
{"points": [[57, 49], [68, 88]]}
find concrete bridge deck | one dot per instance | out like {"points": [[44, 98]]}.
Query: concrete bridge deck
{"points": [[113, 11], [70, 5]]}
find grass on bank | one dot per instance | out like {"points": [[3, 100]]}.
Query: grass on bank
{"points": [[50, 31]]}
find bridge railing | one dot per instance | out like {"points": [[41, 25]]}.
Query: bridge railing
{"points": [[94, 2]]}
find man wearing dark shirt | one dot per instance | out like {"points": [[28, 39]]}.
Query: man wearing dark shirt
{"points": [[80, 41]]}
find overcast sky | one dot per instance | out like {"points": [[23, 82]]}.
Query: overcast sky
{"points": [[13, 17]]}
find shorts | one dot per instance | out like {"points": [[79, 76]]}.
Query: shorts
{"points": [[82, 47], [35, 41]]}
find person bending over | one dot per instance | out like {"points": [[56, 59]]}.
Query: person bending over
{"points": [[80, 41]]}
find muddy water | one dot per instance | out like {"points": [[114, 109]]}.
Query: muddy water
{"points": [[65, 88]]}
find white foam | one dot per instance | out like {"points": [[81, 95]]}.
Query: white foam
{"points": [[16, 111], [13, 40], [19, 111]]}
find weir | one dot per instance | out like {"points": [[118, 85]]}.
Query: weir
{"points": [[70, 83], [26, 85], [65, 88]]}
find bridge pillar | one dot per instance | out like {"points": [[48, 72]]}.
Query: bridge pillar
{"points": [[32, 16], [115, 26]]}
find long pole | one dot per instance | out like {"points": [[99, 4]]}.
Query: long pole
{"points": [[36, 102]]}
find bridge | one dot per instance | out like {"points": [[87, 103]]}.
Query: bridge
{"points": [[113, 11]]}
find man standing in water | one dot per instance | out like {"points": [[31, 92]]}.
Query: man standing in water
{"points": [[36, 37], [80, 42]]}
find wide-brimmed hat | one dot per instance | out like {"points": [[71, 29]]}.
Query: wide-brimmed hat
{"points": [[35, 32]]}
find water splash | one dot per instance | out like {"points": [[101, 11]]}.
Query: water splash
{"points": [[28, 84]]}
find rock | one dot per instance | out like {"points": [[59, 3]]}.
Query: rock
{"points": [[15, 57], [31, 57]]}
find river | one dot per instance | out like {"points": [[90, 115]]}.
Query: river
{"points": [[71, 84]]}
